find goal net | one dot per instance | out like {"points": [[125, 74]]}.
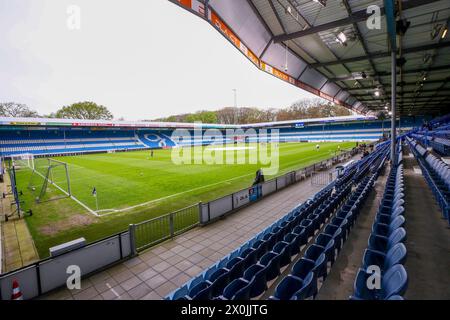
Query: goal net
{"points": [[24, 160], [50, 180]]}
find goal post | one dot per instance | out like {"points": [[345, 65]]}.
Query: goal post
{"points": [[23, 160], [56, 174]]}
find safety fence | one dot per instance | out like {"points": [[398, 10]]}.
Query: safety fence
{"points": [[156, 230]]}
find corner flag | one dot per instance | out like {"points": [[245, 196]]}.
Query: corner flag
{"points": [[94, 194]]}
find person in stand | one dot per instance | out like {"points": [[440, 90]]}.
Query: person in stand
{"points": [[259, 177]]}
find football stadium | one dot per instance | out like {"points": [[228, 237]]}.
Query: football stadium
{"points": [[335, 208]]}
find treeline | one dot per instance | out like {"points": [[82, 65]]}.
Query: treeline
{"points": [[302, 109], [80, 110]]}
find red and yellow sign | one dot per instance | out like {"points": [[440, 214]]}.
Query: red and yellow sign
{"points": [[223, 27], [186, 3]]}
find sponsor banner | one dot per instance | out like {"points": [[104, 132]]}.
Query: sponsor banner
{"points": [[275, 72], [186, 3], [25, 123], [326, 96], [223, 27], [339, 102], [308, 88]]}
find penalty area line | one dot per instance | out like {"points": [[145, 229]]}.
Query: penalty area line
{"points": [[70, 196]]}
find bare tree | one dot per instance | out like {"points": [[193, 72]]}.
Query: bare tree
{"points": [[17, 110]]}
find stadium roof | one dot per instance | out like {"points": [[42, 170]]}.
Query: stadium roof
{"points": [[53, 122], [330, 51]]}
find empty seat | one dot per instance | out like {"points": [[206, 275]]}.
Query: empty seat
{"points": [[292, 287], [393, 282]]}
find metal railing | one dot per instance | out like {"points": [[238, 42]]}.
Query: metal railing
{"points": [[153, 231]]}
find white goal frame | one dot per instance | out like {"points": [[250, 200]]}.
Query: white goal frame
{"points": [[23, 159]]}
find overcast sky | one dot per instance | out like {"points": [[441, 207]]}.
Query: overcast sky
{"points": [[143, 59]]}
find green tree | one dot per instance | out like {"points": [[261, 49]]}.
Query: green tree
{"points": [[13, 109], [84, 110]]}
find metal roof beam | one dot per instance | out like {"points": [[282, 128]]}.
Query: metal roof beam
{"points": [[382, 54], [356, 17]]}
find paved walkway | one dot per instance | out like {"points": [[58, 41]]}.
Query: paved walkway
{"points": [[17, 245], [158, 271], [428, 242]]}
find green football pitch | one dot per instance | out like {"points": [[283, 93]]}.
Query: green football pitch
{"points": [[133, 187]]}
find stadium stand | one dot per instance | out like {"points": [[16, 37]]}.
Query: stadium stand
{"points": [[436, 173], [50, 141], [386, 249], [249, 270]]}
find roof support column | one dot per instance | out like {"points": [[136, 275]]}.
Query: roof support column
{"points": [[393, 105], [389, 6]]}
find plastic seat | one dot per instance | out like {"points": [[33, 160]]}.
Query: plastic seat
{"points": [[292, 287], [388, 218], [302, 267], [218, 281], [238, 289], [383, 229], [256, 276], [201, 291], [383, 244], [250, 257], [393, 282], [395, 255], [271, 260], [317, 256], [296, 241], [236, 267], [284, 250]]}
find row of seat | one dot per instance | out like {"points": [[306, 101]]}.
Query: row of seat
{"points": [[303, 280], [272, 251], [437, 175], [382, 275], [438, 138], [244, 273]]}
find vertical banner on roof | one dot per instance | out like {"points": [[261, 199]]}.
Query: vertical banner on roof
{"points": [[277, 73], [326, 96], [308, 88], [222, 27], [186, 3]]}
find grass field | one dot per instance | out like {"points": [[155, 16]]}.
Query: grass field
{"points": [[132, 187]]}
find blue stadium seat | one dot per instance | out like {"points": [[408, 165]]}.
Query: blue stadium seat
{"points": [[395, 255], [393, 282], [271, 260], [383, 229], [380, 243], [256, 276], [238, 289], [292, 287]]}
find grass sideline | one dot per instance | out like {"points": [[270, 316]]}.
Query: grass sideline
{"points": [[131, 178]]}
